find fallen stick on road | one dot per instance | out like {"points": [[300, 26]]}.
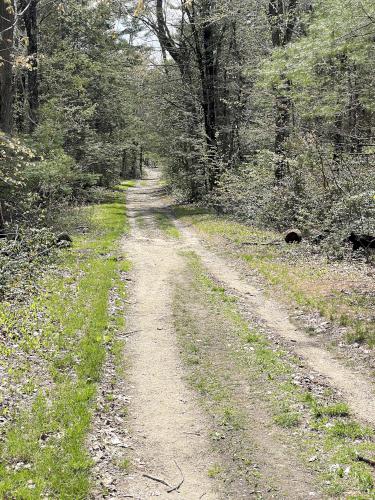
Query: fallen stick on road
{"points": [[176, 488], [261, 243], [157, 480]]}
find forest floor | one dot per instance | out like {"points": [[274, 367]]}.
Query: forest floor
{"points": [[224, 393]]}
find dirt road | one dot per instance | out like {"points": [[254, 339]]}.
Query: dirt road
{"points": [[169, 430]]}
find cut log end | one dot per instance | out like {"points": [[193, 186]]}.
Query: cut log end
{"points": [[293, 236]]}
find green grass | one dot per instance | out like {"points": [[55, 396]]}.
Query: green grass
{"points": [[287, 419], [349, 429], [221, 349], [211, 224], [334, 410], [124, 185], [214, 471], [125, 465], [48, 438], [166, 225]]}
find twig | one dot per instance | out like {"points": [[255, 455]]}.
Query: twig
{"points": [[16, 16], [259, 243], [157, 480], [176, 488], [366, 460]]}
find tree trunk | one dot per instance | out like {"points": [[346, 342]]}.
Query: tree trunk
{"points": [[6, 65], [30, 18], [209, 82], [166, 41], [338, 141], [282, 19], [134, 174], [124, 164], [141, 161], [282, 134], [205, 52]]}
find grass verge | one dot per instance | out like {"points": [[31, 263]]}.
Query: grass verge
{"points": [[43, 451], [249, 386]]}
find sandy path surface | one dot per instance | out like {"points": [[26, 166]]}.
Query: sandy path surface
{"points": [[167, 426]]}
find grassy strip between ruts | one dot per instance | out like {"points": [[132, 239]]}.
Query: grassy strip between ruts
{"points": [[43, 450], [342, 293], [165, 224], [239, 372]]}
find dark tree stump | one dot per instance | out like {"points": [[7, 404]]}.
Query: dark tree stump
{"points": [[64, 240], [365, 241]]}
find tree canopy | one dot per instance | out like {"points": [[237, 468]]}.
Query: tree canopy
{"points": [[264, 109]]}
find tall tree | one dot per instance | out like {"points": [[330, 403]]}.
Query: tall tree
{"points": [[30, 18], [196, 48], [7, 21], [282, 17]]}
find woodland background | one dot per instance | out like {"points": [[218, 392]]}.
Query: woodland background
{"points": [[263, 110]]}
